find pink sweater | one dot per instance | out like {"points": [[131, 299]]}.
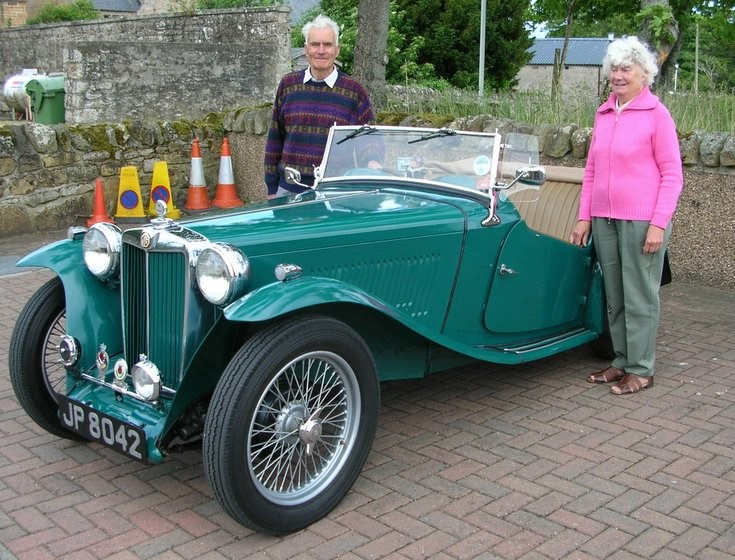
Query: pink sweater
{"points": [[633, 167]]}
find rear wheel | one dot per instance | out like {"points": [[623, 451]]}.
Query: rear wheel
{"points": [[35, 372], [291, 423]]}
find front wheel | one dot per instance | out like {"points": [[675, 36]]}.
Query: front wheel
{"points": [[291, 423], [35, 372]]}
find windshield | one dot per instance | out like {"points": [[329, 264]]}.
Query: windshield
{"points": [[461, 159]]}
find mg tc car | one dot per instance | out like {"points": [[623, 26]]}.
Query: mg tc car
{"points": [[264, 331]]}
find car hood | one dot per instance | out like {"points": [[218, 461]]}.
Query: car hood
{"points": [[293, 223]]}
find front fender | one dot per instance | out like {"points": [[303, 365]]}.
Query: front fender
{"points": [[281, 298], [93, 311]]}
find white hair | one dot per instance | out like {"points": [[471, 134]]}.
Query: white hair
{"points": [[321, 22], [630, 50]]}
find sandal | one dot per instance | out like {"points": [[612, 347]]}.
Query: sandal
{"points": [[606, 375], [632, 383]]}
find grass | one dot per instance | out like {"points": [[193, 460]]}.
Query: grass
{"points": [[705, 112]]}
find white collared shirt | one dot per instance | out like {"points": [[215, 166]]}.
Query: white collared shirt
{"points": [[329, 80]]}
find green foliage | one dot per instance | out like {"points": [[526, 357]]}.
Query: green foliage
{"points": [[437, 42], [51, 13], [661, 19], [451, 31], [707, 112], [714, 18], [716, 53]]}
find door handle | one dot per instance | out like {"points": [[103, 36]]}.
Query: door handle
{"points": [[505, 270]]}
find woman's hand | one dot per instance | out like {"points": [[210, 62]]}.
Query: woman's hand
{"points": [[654, 239], [581, 233]]}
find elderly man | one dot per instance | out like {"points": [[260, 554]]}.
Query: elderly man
{"points": [[308, 102]]}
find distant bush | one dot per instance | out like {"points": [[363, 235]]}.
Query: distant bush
{"points": [[51, 13], [706, 112]]}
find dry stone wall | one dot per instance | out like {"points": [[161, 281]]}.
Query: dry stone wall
{"points": [[48, 173], [160, 66]]}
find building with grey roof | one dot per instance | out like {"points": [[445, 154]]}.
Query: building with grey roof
{"points": [[582, 69], [108, 8]]}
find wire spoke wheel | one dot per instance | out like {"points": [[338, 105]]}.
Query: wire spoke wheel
{"points": [[36, 372], [291, 423], [304, 427], [53, 370]]}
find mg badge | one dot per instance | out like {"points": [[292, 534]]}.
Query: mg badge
{"points": [[145, 239]]}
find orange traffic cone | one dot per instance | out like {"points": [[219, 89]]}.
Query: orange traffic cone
{"points": [[226, 194], [99, 211], [197, 195]]}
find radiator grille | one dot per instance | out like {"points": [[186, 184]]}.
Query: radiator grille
{"points": [[154, 288]]}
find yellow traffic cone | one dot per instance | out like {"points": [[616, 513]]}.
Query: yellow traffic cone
{"points": [[161, 190], [129, 203]]}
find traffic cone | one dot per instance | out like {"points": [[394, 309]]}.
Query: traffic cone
{"points": [[129, 204], [161, 190], [226, 194], [99, 211], [197, 195]]}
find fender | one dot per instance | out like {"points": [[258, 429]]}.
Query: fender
{"points": [[280, 298], [93, 311], [277, 299]]}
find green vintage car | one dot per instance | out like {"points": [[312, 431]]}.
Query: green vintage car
{"points": [[265, 331]]}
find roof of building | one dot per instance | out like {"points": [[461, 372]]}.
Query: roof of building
{"points": [[581, 51], [123, 6]]}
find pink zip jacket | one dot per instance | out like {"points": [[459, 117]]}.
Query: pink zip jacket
{"points": [[633, 169]]}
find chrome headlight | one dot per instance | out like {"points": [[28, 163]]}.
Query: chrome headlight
{"points": [[101, 249], [223, 273], [146, 379]]}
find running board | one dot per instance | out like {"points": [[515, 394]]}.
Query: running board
{"points": [[534, 349]]}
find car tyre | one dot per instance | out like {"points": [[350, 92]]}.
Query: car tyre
{"points": [[35, 372], [291, 423]]}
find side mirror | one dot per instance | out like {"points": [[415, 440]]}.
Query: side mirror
{"points": [[293, 176], [530, 175]]}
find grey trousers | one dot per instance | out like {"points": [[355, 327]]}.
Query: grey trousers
{"points": [[632, 280]]}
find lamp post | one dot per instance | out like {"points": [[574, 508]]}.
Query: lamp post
{"points": [[483, 17]]}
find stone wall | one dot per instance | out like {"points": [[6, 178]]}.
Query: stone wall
{"points": [[159, 66], [48, 173]]}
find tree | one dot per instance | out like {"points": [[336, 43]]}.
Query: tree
{"points": [[660, 29], [78, 11], [451, 31], [655, 22], [371, 45], [402, 50]]}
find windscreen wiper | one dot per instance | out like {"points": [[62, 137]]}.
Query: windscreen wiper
{"points": [[441, 132], [364, 129]]}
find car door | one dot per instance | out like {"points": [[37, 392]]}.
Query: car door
{"points": [[539, 285]]}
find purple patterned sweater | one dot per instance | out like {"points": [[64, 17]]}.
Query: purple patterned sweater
{"points": [[302, 116]]}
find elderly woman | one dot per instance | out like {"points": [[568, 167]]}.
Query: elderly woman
{"points": [[631, 186]]}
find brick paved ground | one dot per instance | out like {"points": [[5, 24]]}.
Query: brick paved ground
{"points": [[526, 462]]}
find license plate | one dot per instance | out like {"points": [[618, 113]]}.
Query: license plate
{"points": [[97, 426]]}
